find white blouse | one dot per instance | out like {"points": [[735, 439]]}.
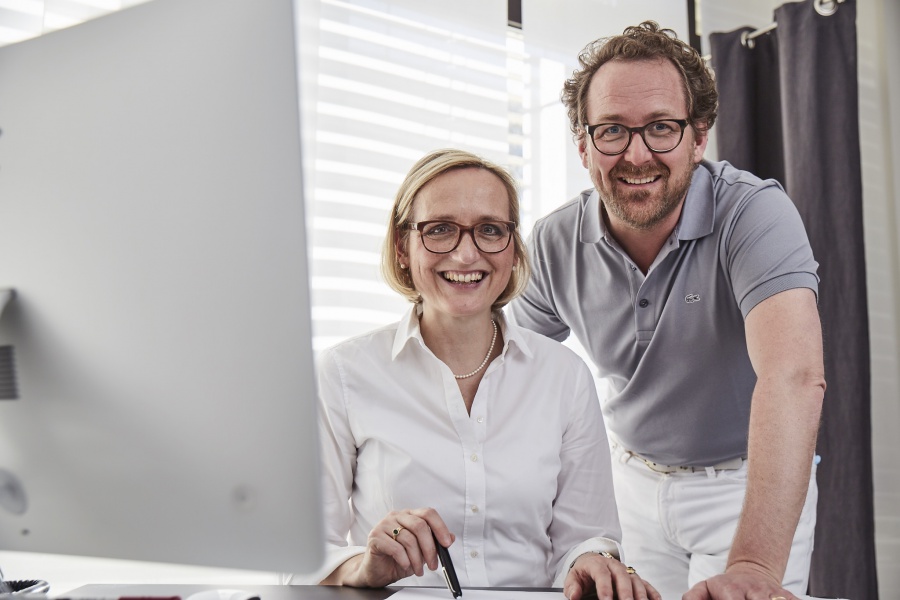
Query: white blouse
{"points": [[524, 482]]}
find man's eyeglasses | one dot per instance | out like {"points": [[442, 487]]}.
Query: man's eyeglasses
{"points": [[441, 237], [659, 136]]}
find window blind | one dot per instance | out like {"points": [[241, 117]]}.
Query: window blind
{"points": [[396, 79]]}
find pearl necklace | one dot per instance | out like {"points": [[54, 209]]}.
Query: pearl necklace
{"points": [[487, 356]]}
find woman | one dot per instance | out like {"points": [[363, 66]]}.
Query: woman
{"points": [[494, 428]]}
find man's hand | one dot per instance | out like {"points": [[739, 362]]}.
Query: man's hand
{"points": [[739, 583], [608, 577]]}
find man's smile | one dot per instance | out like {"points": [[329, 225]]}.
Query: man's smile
{"points": [[639, 180]]}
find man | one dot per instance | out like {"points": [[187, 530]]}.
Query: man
{"points": [[693, 287]]}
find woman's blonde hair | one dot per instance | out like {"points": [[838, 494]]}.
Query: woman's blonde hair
{"points": [[425, 170]]}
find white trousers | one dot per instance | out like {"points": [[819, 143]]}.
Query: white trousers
{"points": [[677, 528]]}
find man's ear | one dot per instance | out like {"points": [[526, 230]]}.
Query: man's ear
{"points": [[701, 138], [583, 151]]}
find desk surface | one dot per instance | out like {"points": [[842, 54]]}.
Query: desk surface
{"points": [[265, 592]]}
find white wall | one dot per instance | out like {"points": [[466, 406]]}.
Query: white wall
{"points": [[879, 94]]}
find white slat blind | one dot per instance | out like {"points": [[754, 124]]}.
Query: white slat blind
{"points": [[396, 79]]}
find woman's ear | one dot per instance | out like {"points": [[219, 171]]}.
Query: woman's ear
{"points": [[399, 247]]}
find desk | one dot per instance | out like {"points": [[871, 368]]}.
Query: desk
{"points": [[265, 592]]}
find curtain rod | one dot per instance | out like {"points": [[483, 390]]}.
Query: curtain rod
{"points": [[823, 7]]}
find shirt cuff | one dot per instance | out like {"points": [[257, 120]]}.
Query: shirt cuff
{"points": [[595, 545], [335, 556]]}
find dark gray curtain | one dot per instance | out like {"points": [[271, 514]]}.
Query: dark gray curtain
{"points": [[789, 110]]}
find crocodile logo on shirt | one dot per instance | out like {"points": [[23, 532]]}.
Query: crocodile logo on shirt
{"points": [[691, 298]]}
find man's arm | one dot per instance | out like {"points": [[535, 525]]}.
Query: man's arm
{"points": [[535, 308], [784, 341]]}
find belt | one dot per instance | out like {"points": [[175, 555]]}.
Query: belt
{"points": [[734, 463]]}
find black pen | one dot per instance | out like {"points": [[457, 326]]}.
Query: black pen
{"points": [[449, 571]]}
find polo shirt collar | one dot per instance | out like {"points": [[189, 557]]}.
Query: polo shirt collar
{"points": [[593, 229], [697, 216]]}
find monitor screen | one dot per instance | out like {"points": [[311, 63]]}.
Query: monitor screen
{"points": [[155, 358]]}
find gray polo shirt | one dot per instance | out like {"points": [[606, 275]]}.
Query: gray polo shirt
{"points": [[672, 343]]}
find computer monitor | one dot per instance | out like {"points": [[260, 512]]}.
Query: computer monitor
{"points": [[156, 361]]}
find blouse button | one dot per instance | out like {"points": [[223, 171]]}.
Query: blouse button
{"points": [[474, 553], [480, 419], [474, 508], [644, 303], [474, 458]]}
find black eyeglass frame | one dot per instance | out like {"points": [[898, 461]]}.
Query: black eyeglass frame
{"points": [[682, 123], [421, 225]]}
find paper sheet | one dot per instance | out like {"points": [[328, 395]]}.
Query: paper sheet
{"points": [[418, 593]]}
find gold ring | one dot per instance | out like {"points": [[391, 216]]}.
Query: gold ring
{"points": [[396, 531], [631, 571]]}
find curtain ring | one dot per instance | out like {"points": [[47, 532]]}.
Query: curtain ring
{"points": [[826, 8], [746, 40]]}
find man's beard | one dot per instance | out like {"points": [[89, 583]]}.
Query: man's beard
{"points": [[639, 209]]}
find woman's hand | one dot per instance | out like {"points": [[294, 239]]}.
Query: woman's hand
{"points": [[400, 545], [609, 577]]}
